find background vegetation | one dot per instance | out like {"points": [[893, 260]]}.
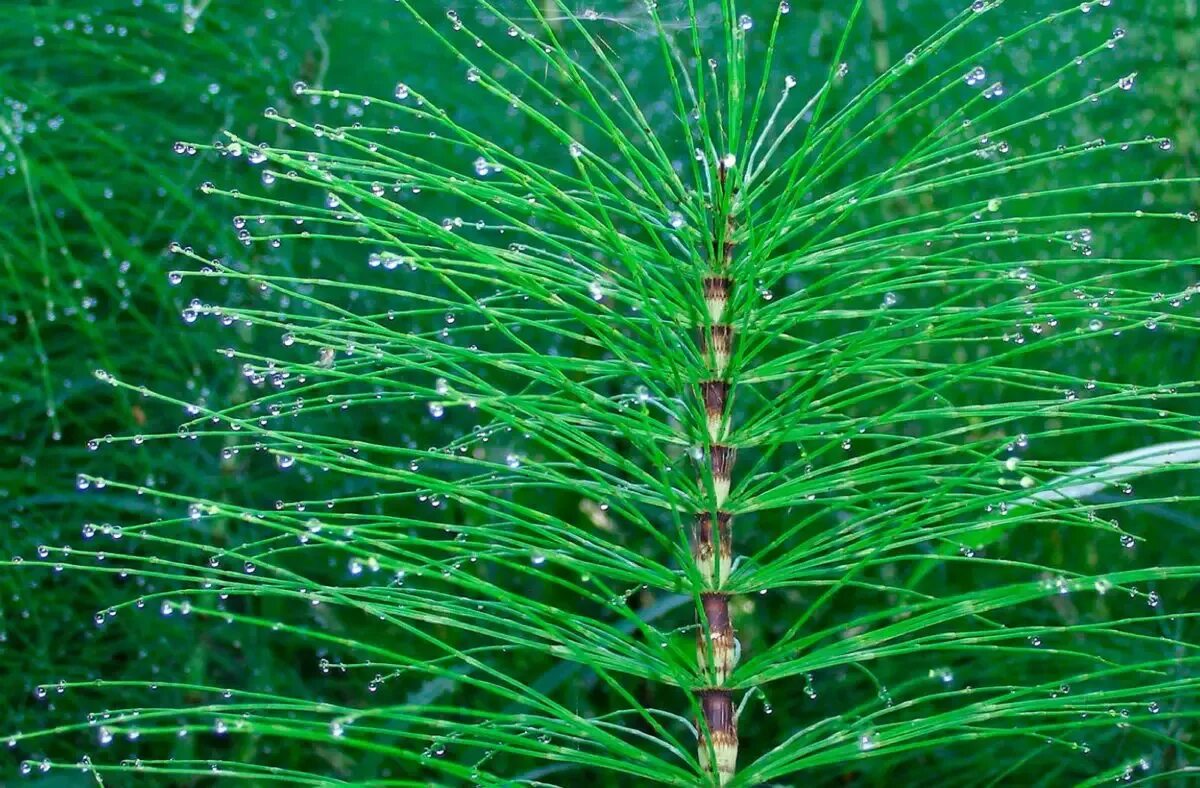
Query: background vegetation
{"points": [[110, 115]]}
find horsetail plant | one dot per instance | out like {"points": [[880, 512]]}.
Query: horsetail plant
{"points": [[747, 377]]}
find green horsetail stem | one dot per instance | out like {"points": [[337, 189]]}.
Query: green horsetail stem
{"points": [[712, 538]]}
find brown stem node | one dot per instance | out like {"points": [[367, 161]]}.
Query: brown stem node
{"points": [[716, 295], [715, 394], [721, 459], [715, 561], [719, 718], [716, 343]]}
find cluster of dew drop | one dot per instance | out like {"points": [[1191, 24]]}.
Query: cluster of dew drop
{"points": [[284, 461], [1080, 241], [278, 377], [106, 733]]}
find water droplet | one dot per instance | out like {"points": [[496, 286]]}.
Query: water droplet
{"points": [[745, 22]]}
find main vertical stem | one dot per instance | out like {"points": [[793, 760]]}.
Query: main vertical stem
{"points": [[712, 539]]}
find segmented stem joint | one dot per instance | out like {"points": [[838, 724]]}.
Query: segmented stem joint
{"points": [[712, 537]]}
